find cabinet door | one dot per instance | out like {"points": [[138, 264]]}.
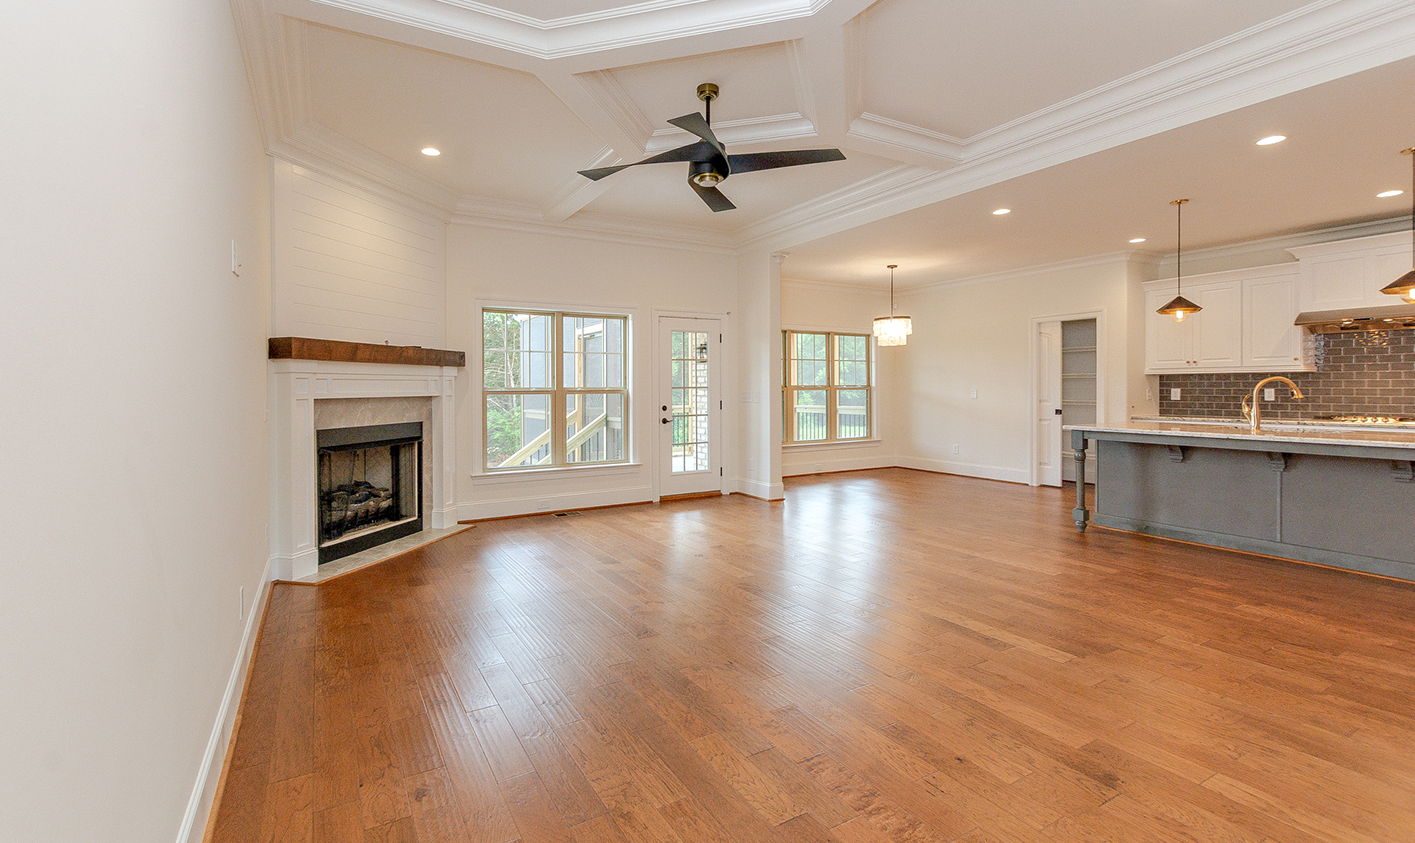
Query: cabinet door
{"points": [[1270, 340], [1169, 345], [1218, 328]]}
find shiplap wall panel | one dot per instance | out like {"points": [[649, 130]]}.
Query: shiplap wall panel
{"points": [[350, 265]]}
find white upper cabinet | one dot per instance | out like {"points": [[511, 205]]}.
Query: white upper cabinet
{"points": [[1245, 324], [1270, 341], [1350, 273]]}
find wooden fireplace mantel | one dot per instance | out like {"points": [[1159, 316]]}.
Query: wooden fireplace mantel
{"points": [[305, 348]]}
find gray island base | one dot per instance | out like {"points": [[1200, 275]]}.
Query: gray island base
{"points": [[1344, 498]]}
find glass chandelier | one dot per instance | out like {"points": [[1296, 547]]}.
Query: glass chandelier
{"points": [[891, 329]]}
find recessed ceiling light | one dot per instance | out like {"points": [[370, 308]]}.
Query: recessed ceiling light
{"points": [[1000, 211], [1137, 240], [1386, 194], [431, 151], [1272, 139]]}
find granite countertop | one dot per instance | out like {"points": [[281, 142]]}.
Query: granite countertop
{"points": [[1315, 433]]}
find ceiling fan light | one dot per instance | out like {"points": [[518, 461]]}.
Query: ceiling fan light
{"points": [[893, 330], [707, 178]]}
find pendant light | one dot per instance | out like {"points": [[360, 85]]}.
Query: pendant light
{"points": [[891, 329], [1179, 307], [1405, 284]]}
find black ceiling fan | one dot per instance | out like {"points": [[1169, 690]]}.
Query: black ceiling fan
{"points": [[708, 161]]}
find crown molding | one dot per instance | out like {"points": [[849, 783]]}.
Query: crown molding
{"points": [[896, 137], [612, 29], [1285, 242], [525, 217], [769, 129], [833, 286], [315, 143], [1104, 259], [611, 98], [1317, 43]]}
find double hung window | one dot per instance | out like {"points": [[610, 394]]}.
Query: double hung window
{"points": [[555, 389], [827, 387]]}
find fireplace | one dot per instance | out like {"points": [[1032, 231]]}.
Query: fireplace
{"points": [[370, 486], [325, 385]]}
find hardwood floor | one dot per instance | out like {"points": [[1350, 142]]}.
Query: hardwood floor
{"points": [[887, 656]]}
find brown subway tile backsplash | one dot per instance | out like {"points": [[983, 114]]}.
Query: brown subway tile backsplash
{"points": [[1359, 373]]}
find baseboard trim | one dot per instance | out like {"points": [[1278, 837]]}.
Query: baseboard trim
{"points": [[761, 491], [552, 503], [211, 778], [964, 469]]}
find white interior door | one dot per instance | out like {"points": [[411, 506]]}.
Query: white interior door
{"points": [[1047, 412], [689, 406]]}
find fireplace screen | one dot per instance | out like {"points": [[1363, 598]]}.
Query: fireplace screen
{"points": [[370, 486]]}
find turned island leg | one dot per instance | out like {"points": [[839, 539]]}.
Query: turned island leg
{"points": [[1080, 513]]}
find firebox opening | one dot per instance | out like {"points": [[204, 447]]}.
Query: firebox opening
{"points": [[370, 486]]}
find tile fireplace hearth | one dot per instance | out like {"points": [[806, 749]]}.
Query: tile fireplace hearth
{"points": [[319, 386]]}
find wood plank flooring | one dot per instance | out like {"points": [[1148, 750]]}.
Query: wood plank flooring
{"points": [[887, 656]]}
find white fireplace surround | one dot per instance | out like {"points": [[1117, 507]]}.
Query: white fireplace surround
{"points": [[295, 386]]}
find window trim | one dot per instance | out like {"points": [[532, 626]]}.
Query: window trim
{"points": [[558, 392], [832, 389]]}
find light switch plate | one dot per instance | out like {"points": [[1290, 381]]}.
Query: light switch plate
{"points": [[1174, 394]]}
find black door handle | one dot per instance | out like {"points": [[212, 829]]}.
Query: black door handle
{"points": [[664, 421], [1058, 411]]}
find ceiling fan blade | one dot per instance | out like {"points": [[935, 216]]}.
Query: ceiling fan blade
{"points": [[697, 125], [698, 151], [788, 158], [713, 198]]}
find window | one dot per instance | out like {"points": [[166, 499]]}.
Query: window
{"points": [[554, 387], [827, 387]]}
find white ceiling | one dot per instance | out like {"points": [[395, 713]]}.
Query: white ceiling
{"points": [[1085, 117]]}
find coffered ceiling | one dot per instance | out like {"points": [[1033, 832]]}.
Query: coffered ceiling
{"points": [[941, 106]]}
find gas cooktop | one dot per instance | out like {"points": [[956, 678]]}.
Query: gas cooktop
{"points": [[1355, 419]]}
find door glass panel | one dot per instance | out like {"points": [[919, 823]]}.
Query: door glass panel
{"points": [[689, 396]]}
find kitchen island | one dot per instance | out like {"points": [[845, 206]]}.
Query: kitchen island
{"points": [[1331, 494]]}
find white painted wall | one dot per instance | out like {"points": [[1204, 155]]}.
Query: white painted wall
{"points": [[495, 267], [808, 306], [134, 445], [351, 265], [977, 336]]}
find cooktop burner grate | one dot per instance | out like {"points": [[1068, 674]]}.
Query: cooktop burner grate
{"points": [[1356, 419]]}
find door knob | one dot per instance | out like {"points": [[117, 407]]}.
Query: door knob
{"points": [[664, 421]]}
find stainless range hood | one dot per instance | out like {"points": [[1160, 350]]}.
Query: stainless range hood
{"points": [[1358, 318]]}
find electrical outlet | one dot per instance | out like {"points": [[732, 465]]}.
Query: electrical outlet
{"points": [[241, 603], [543, 503], [955, 449], [1270, 393], [1174, 394], [974, 395]]}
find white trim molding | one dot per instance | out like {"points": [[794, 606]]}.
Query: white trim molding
{"points": [[204, 792]]}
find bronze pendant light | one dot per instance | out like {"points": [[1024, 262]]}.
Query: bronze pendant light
{"points": [[1179, 307], [1405, 284]]}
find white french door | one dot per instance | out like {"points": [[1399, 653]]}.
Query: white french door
{"points": [[689, 406]]}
